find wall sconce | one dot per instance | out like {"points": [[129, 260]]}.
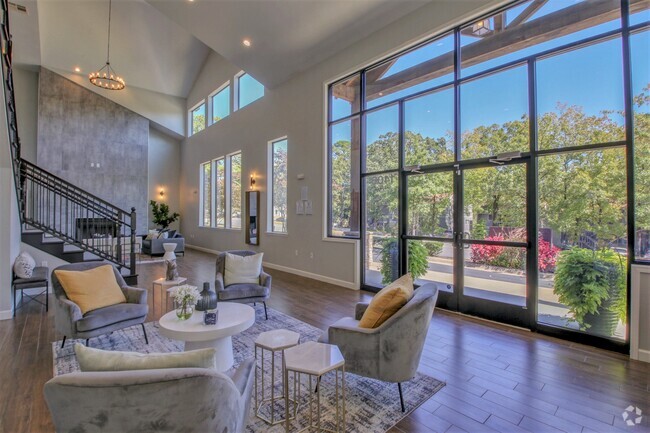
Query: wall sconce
{"points": [[162, 193], [252, 181]]}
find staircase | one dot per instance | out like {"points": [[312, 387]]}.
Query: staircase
{"points": [[58, 217]]}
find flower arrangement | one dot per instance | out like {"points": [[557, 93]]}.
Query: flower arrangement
{"points": [[185, 298]]}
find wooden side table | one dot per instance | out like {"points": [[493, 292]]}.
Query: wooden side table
{"points": [[164, 291]]}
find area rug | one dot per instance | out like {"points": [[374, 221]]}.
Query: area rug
{"points": [[372, 406]]}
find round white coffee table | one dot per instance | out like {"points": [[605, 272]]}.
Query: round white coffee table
{"points": [[233, 318]]}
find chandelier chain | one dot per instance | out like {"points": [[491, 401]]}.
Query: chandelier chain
{"points": [[108, 49]]}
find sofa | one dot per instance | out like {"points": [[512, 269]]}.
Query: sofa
{"points": [[173, 400], [154, 246]]}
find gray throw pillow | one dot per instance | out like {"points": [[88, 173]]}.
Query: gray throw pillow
{"points": [[105, 360]]}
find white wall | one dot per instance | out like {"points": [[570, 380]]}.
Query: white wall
{"points": [[295, 109], [164, 171]]}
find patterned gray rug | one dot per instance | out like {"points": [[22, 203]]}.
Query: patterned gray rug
{"points": [[372, 406]]}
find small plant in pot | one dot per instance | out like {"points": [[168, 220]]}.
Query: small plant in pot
{"points": [[593, 285], [161, 216], [417, 259]]}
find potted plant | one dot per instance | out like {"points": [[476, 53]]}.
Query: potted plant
{"points": [[593, 285], [161, 216], [417, 260]]}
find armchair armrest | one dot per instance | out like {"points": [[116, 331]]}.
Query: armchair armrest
{"points": [[360, 308], [265, 280], [241, 377], [218, 282], [71, 309], [135, 295]]}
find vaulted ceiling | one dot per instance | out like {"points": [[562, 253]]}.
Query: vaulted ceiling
{"points": [[288, 36], [147, 49], [161, 45]]}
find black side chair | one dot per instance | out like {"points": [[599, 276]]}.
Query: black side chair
{"points": [[37, 280]]}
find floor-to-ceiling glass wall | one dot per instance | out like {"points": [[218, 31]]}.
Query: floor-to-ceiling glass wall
{"points": [[507, 163]]}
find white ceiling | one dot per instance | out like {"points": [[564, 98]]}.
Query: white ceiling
{"points": [[147, 49], [288, 36], [161, 45]]}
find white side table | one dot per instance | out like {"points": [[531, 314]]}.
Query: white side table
{"points": [[275, 341], [315, 360], [164, 286]]}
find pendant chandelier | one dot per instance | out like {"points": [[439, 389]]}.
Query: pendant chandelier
{"points": [[106, 78]]}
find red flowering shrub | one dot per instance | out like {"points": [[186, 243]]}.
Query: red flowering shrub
{"points": [[487, 254], [547, 256], [497, 255]]}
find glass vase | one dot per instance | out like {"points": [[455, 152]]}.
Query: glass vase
{"points": [[184, 310]]}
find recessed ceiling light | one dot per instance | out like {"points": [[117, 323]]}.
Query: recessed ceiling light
{"points": [[77, 69], [246, 42]]}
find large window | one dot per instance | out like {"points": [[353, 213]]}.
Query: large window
{"points": [[515, 121], [197, 118], [206, 194], [221, 192], [248, 90], [277, 204], [220, 103], [235, 190]]}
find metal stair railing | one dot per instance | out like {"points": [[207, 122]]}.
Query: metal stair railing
{"points": [[55, 206]]}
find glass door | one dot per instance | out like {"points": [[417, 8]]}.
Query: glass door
{"points": [[466, 231], [429, 240], [493, 246]]}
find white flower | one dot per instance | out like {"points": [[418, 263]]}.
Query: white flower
{"points": [[185, 294]]}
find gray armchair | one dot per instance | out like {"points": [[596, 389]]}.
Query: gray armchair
{"points": [[69, 321], [242, 293], [391, 352], [155, 246], [173, 400]]}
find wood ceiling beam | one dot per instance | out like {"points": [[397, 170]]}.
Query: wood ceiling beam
{"points": [[528, 12], [552, 26]]}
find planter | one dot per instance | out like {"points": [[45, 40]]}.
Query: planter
{"points": [[604, 321]]}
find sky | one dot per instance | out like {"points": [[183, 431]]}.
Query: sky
{"points": [[590, 77]]}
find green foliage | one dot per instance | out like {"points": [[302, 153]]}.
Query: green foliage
{"points": [[585, 279], [417, 258], [479, 231], [433, 247], [161, 216]]}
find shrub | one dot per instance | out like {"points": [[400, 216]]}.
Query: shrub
{"points": [[487, 254], [586, 281], [433, 248], [417, 258], [547, 256]]}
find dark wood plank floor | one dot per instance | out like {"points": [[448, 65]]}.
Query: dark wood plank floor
{"points": [[498, 379]]}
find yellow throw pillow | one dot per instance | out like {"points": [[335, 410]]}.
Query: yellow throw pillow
{"points": [[387, 302], [91, 289]]}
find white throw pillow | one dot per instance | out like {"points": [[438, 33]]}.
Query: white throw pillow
{"points": [[242, 270], [153, 234], [106, 360], [24, 265]]}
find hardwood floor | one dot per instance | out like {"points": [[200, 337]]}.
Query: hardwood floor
{"points": [[498, 378]]}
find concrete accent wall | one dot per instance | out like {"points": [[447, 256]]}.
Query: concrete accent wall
{"points": [[94, 143], [164, 171], [26, 93], [296, 109]]}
